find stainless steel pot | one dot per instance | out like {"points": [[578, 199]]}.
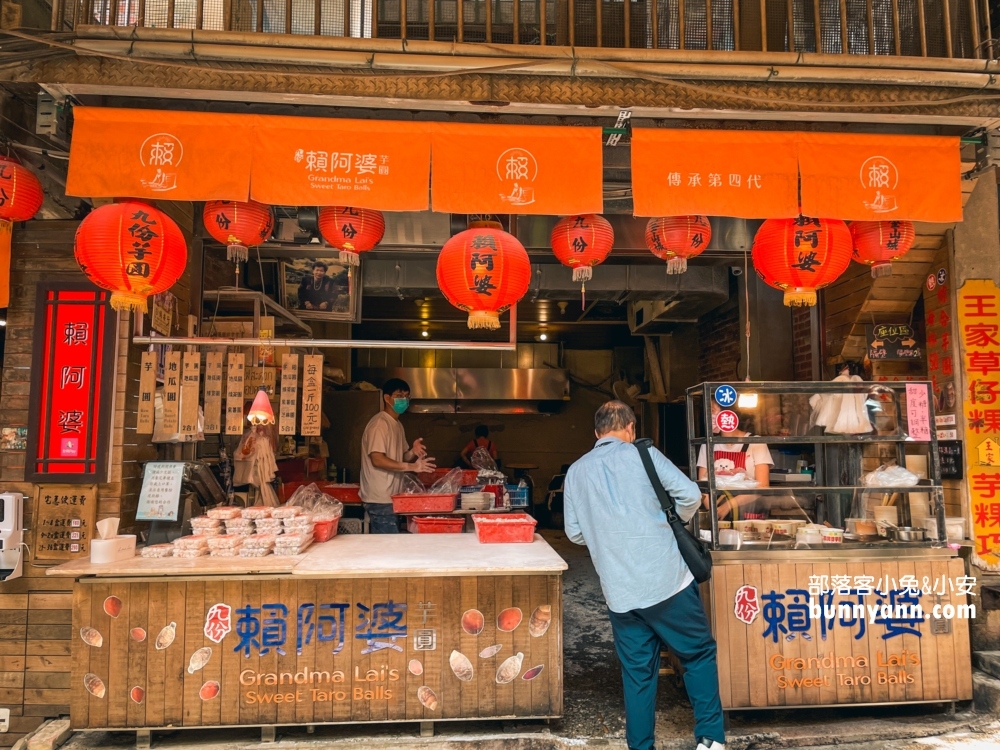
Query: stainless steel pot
{"points": [[906, 534]]}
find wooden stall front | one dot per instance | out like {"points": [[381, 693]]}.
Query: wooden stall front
{"points": [[359, 629], [773, 652]]}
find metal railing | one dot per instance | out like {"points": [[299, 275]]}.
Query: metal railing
{"points": [[929, 28]]}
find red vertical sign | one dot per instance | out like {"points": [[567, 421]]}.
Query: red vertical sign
{"points": [[71, 394]]}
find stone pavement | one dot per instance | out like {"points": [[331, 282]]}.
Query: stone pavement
{"points": [[594, 716]]}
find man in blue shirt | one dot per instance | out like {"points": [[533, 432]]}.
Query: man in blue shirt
{"points": [[652, 597]]}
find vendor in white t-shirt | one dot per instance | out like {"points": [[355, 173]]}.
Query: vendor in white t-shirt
{"points": [[754, 459]]}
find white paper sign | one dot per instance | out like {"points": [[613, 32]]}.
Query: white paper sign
{"points": [[160, 496]]}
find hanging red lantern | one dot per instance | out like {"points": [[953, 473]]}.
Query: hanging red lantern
{"points": [[676, 239], [351, 230], [238, 225], [799, 256], [582, 242], [483, 271], [878, 243], [131, 249], [21, 196]]}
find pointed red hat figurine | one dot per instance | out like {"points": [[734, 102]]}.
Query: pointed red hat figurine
{"points": [[260, 410]]}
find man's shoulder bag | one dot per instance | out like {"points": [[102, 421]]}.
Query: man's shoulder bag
{"points": [[695, 554]]}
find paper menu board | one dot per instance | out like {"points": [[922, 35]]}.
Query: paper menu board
{"points": [[918, 411], [289, 394], [160, 496]]}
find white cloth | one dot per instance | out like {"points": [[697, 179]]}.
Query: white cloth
{"points": [[383, 434], [841, 413]]}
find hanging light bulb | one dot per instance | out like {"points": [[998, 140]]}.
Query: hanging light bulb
{"points": [[747, 400], [260, 410]]}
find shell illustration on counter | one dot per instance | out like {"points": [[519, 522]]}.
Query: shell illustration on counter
{"points": [[490, 651], [138, 634], [166, 636], [137, 694], [540, 620], [199, 659], [473, 622], [533, 672], [209, 690], [94, 685], [91, 636], [509, 619], [461, 666], [510, 669], [427, 698], [415, 667], [113, 606]]}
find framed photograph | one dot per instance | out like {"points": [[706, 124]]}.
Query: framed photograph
{"points": [[321, 289]]}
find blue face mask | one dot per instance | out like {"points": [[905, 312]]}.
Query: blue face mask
{"points": [[400, 405]]}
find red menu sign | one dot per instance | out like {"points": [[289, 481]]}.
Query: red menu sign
{"points": [[71, 391]]}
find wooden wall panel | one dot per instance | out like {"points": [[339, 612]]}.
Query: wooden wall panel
{"points": [[375, 684]]}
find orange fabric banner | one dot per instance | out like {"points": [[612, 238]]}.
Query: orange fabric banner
{"points": [[880, 177], [306, 161], [516, 169], [179, 156], [749, 175]]}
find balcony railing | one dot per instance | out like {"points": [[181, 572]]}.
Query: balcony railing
{"points": [[929, 28]]}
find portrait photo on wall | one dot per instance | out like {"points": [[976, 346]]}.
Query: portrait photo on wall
{"points": [[321, 289]]}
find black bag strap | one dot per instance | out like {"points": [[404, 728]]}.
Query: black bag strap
{"points": [[666, 502]]}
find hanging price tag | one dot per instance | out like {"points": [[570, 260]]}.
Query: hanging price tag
{"points": [[171, 392], [234, 395], [312, 394], [147, 394], [289, 394], [213, 393], [190, 389]]}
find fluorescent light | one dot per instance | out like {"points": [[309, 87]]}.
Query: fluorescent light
{"points": [[425, 333], [747, 401], [544, 337]]}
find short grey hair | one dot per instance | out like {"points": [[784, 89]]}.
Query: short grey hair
{"points": [[613, 416]]}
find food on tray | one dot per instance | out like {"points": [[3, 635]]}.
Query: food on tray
{"points": [[157, 550], [256, 513], [190, 542], [225, 513]]}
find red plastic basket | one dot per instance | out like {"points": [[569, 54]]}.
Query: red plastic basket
{"points": [[435, 525], [430, 477], [423, 503], [505, 529], [326, 530], [345, 493]]}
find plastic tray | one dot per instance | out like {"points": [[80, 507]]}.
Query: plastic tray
{"points": [[435, 525], [505, 529], [424, 503], [326, 530]]}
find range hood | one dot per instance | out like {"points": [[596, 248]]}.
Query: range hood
{"points": [[478, 390]]}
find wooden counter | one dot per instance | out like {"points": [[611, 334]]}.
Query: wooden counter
{"points": [[774, 653], [362, 628]]}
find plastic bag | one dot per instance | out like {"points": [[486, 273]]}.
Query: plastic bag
{"points": [[890, 475], [327, 509], [449, 484], [412, 486], [482, 460], [306, 496], [737, 481]]}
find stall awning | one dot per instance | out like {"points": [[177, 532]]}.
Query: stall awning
{"points": [[296, 161], [755, 175], [516, 169]]}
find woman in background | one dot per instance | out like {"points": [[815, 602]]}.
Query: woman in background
{"points": [[754, 459], [481, 440]]}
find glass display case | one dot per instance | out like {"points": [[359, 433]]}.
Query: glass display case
{"points": [[816, 465]]}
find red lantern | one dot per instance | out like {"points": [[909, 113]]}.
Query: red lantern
{"points": [[351, 230], [20, 191], [799, 256], [131, 249], [238, 225], [676, 239], [878, 243], [484, 271], [582, 242]]}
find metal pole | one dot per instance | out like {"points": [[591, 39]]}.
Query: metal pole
{"points": [[324, 343]]}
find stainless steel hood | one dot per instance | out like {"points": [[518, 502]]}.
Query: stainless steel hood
{"points": [[478, 390]]}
